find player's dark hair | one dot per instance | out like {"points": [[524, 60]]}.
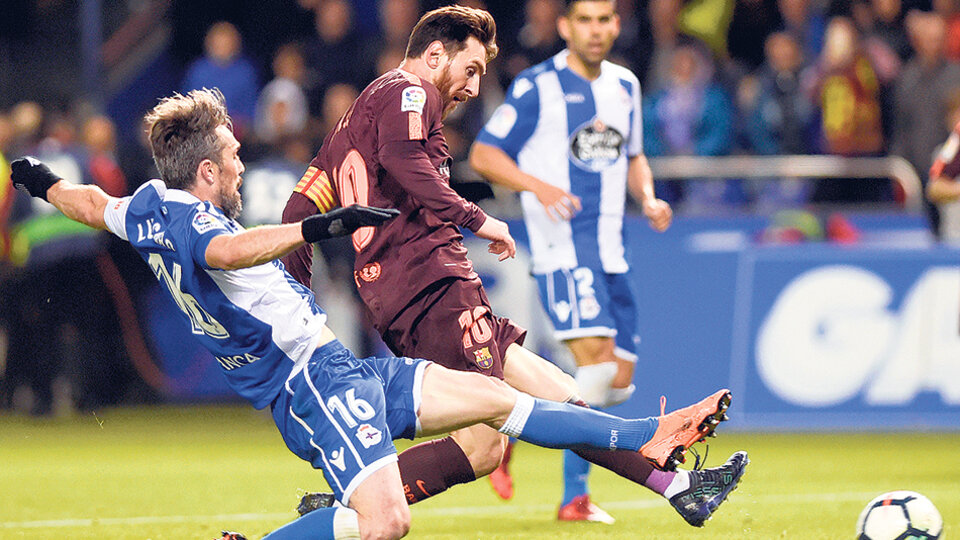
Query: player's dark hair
{"points": [[568, 4], [452, 26], [183, 133]]}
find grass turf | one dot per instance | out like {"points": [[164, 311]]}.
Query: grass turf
{"points": [[186, 472]]}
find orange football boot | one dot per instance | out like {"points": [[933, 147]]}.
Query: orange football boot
{"points": [[682, 428]]}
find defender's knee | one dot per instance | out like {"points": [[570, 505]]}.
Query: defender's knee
{"points": [[390, 524]]}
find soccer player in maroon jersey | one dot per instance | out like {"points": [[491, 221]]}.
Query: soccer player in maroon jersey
{"points": [[413, 273]]}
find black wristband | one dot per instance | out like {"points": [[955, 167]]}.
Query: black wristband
{"points": [[320, 227]]}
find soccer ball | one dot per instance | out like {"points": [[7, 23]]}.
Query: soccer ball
{"points": [[899, 515]]}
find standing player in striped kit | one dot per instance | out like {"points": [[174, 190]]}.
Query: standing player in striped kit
{"points": [[569, 138]]}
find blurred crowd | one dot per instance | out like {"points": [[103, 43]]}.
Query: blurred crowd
{"points": [[719, 77]]}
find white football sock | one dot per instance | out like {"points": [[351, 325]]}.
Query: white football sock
{"points": [[594, 382], [346, 525], [680, 482]]}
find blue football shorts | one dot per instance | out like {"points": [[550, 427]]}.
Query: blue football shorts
{"points": [[342, 413], [587, 302]]}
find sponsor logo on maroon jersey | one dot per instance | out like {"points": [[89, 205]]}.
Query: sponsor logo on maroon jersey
{"points": [[370, 272], [483, 358]]}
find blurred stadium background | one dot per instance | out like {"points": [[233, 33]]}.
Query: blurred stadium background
{"points": [[805, 270]]}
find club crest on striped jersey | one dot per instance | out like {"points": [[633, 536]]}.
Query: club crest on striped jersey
{"points": [[595, 145]]}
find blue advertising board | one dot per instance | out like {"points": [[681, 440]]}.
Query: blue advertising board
{"points": [[806, 336]]}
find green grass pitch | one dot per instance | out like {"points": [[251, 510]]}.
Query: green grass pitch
{"points": [[186, 472]]}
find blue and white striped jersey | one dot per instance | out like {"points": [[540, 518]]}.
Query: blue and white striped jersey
{"points": [[577, 135], [259, 322]]}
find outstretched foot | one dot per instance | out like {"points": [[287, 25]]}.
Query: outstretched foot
{"points": [[313, 501], [708, 489], [682, 428], [581, 509]]}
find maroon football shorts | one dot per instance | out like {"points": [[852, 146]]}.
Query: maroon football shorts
{"points": [[450, 322]]}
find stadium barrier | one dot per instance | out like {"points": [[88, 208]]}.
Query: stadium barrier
{"points": [[896, 168], [810, 336]]}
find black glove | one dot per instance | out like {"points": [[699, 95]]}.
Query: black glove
{"points": [[344, 221], [31, 174]]}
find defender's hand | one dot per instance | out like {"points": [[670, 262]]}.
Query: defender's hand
{"points": [[659, 213], [344, 221], [33, 175], [559, 204]]}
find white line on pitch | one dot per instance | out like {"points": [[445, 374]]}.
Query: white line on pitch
{"points": [[453, 511]]}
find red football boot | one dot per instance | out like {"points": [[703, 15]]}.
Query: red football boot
{"points": [[682, 428], [500, 478], [581, 509]]}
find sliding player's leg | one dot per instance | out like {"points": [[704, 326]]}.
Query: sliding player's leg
{"points": [[452, 400], [530, 373]]}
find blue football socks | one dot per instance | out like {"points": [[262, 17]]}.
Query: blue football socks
{"points": [[562, 425], [575, 473], [317, 524]]}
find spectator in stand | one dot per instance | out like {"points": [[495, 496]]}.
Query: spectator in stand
{"points": [[846, 92], [282, 106], [537, 39], [751, 23], [336, 100], [7, 195], [664, 16], [805, 22], [336, 54], [64, 349], [692, 115], [396, 18], [389, 59], [780, 119], [889, 27], [100, 141], [950, 11], [923, 95], [632, 45], [224, 67]]}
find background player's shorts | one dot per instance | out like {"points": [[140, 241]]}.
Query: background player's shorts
{"points": [[586, 302], [334, 413], [451, 323]]}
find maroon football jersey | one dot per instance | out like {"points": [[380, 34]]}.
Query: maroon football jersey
{"points": [[388, 150]]}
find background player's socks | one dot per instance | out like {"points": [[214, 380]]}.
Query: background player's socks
{"points": [[660, 481], [323, 524], [562, 425], [575, 473], [432, 467]]}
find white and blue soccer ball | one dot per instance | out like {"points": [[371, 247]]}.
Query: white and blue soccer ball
{"points": [[900, 515]]}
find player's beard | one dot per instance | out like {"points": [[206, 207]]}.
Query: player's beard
{"points": [[443, 84], [230, 202]]}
